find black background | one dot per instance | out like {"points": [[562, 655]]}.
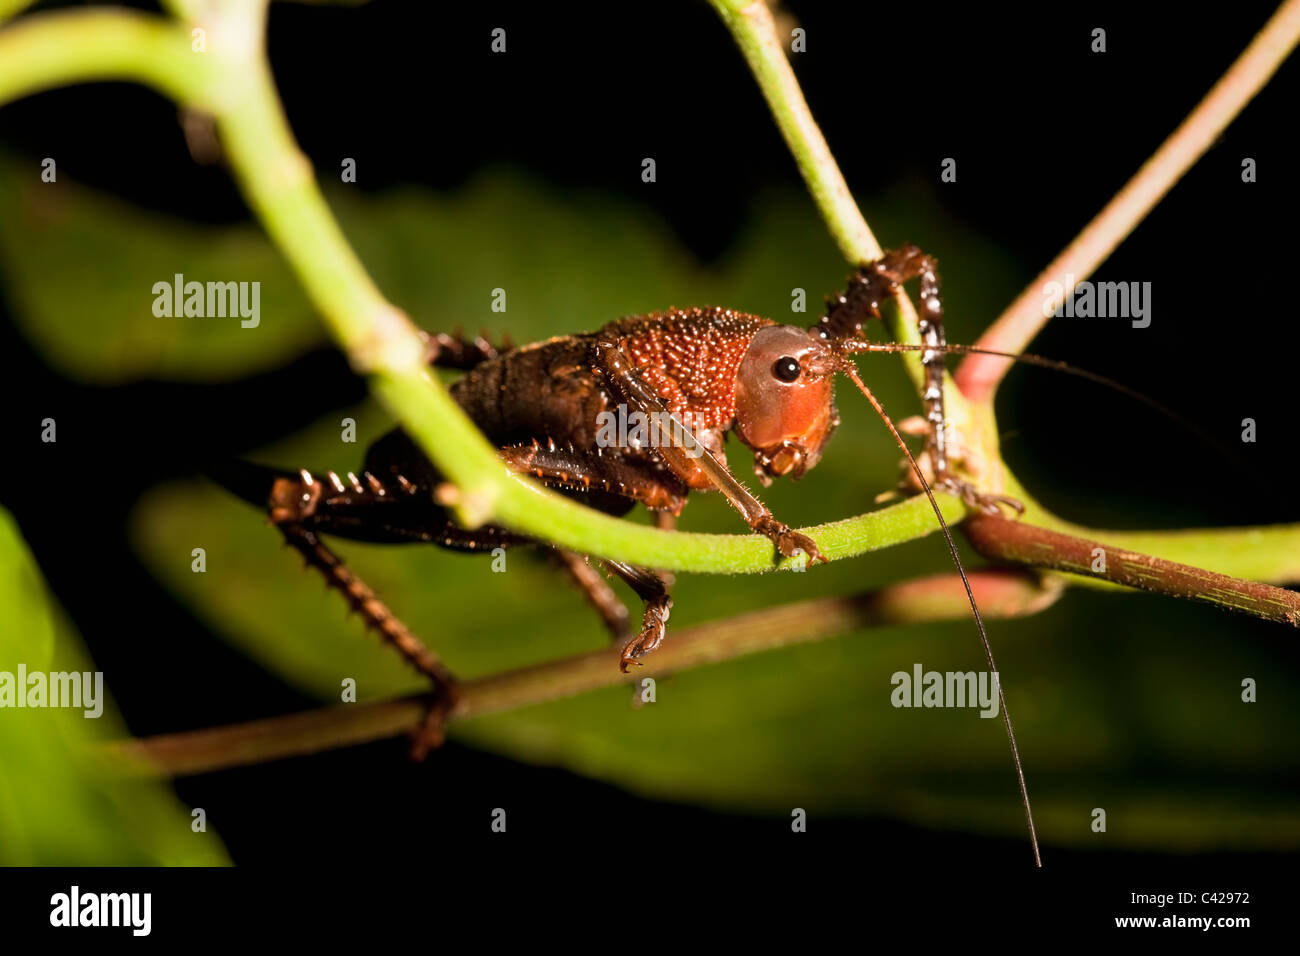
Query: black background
{"points": [[1046, 132]]}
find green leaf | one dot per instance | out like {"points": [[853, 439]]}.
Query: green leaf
{"points": [[58, 806]]}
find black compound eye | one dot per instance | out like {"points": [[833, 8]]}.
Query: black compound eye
{"points": [[786, 369]]}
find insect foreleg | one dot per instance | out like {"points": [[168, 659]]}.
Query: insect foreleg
{"points": [[845, 316]]}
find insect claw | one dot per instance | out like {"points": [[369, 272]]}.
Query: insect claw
{"points": [[431, 735], [990, 504]]}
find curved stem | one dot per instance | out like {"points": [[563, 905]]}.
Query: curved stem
{"points": [[941, 598], [979, 375], [45, 50]]}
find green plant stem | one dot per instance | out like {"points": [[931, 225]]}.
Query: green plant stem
{"points": [[9, 8], [1001, 594], [45, 50], [751, 24]]}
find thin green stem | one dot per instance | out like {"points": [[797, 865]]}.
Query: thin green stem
{"points": [[9, 8], [751, 24], [1268, 553]]}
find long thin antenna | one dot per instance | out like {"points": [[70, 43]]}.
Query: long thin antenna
{"points": [[859, 345], [848, 369]]}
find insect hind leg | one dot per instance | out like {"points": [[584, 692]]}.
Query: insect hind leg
{"points": [[292, 502]]}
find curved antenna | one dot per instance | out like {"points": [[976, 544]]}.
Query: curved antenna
{"points": [[1026, 358], [847, 367]]}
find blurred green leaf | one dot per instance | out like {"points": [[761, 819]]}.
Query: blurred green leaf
{"points": [[1116, 706], [57, 807], [79, 269]]}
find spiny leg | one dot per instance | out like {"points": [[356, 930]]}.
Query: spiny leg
{"points": [[396, 508], [651, 586], [628, 478], [601, 472], [292, 502], [653, 590], [686, 455], [847, 313]]}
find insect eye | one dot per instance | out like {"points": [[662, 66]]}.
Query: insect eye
{"points": [[786, 369]]}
